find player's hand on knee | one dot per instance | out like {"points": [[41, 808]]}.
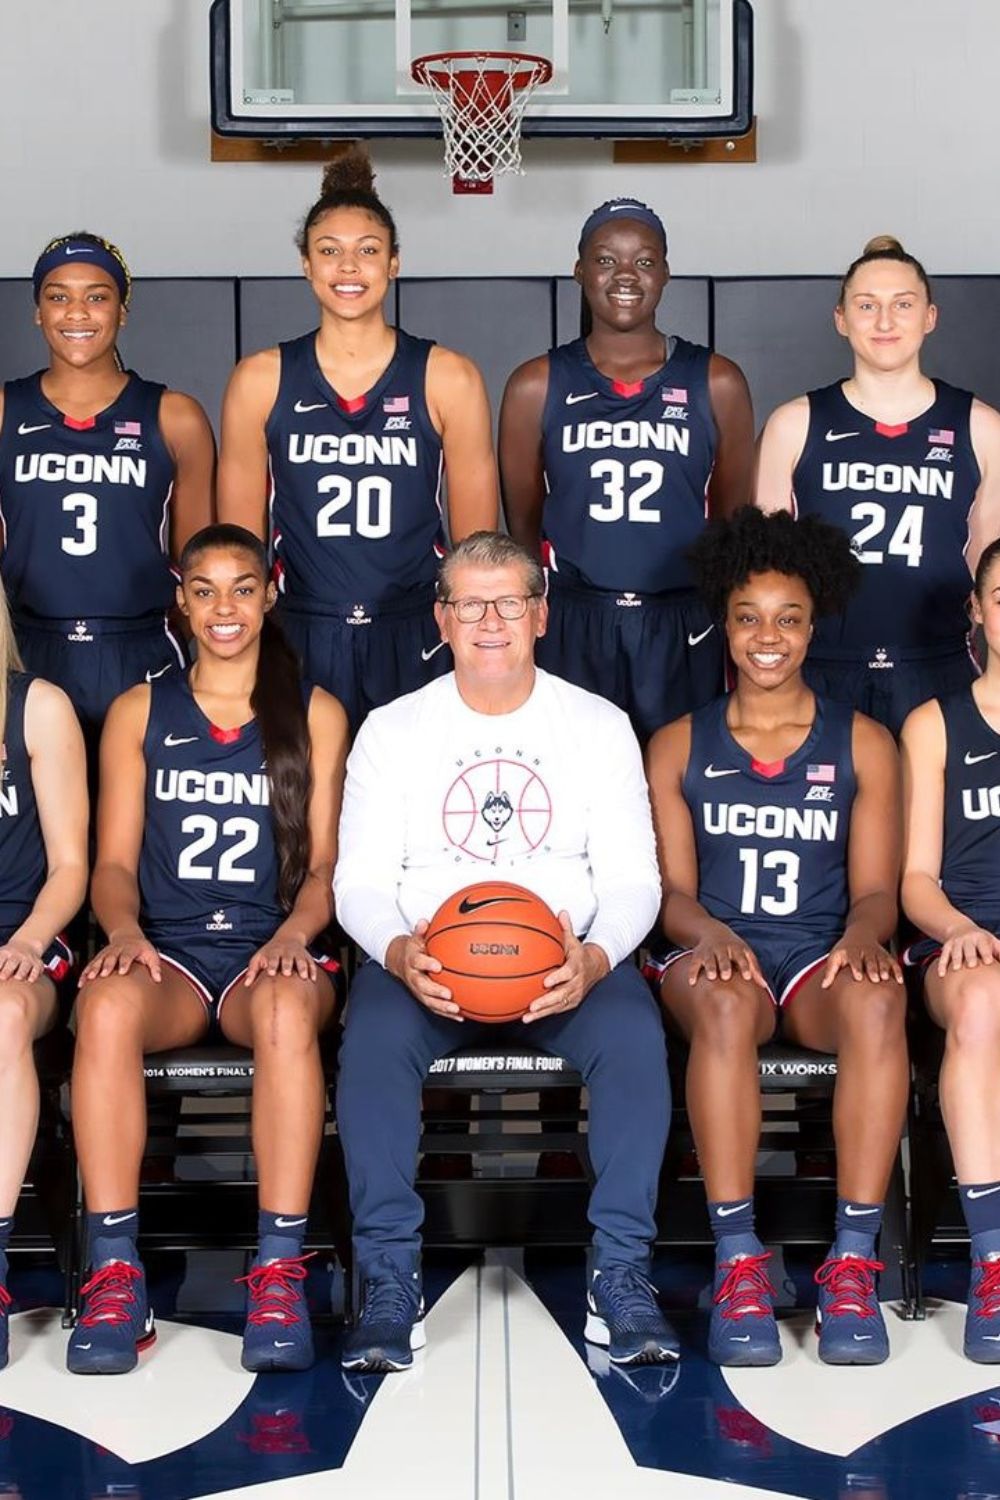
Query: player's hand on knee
{"points": [[865, 958], [721, 955], [119, 956], [286, 956], [586, 964], [967, 950], [21, 960], [407, 960]]}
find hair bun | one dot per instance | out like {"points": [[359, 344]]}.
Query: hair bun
{"points": [[351, 172], [883, 244]]}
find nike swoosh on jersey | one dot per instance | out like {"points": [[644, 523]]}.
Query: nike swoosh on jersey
{"points": [[465, 905], [24, 429], [694, 639], [300, 406], [426, 655], [973, 760], [152, 676], [711, 772], [983, 1192], [838, 437], [587, 396], [185, 739]]}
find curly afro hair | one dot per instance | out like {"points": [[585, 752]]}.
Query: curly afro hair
{"points": [[729, 552]]}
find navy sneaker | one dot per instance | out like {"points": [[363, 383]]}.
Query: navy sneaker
{"points": [[5, 1300], [115, 1322], [278, 1333], [849, 1319], [982, 1317], [742, 1330], [391, 1321], [624, 1317]]}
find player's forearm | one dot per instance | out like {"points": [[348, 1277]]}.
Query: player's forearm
{"points": [[56, 905], [876, 914], [312, 910], [686, 922], [114, 895], [928, 908]]}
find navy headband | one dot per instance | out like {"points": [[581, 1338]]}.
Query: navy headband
{"points": [[622, 208], [86, 252]]}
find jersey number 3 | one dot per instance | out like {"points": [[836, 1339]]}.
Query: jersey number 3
{"points": [[85, 520]]}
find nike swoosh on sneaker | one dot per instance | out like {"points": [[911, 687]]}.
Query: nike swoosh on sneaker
{"points": [[300, 406], [983, 1192], [24, 429], [723, 1213], [740, 1338], [587, 396], [284, 1343], [111, 1219], [426, 655], [973, 760], [83, 1346], [694, 639], [857, 1213], [838, 437], [863, 1338], [712, 773], [465, 905], [179, 739]]}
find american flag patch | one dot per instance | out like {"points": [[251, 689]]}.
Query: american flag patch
{"points": [[396, 405], [676, 394], [941, 435], [128, 429], [821, 773]]}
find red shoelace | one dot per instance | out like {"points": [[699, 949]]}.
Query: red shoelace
{"points": [[5, 1299], [747, 1287], [988, 1291], [110, 1294], [850, 1281], [272, 1289]]}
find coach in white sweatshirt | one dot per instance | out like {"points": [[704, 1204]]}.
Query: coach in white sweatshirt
{"points": [[499, 771]]}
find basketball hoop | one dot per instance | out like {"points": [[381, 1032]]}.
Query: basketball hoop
{"points": [[481, 97]]}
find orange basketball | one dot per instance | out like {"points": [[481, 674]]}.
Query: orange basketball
{"points": [[496, 942]]}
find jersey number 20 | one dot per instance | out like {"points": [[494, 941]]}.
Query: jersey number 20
{"points": [[372, 497]]}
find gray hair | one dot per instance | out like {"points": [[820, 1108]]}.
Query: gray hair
{"points": [[490, 549]]}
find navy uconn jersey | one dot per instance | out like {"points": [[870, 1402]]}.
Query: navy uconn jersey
{"points": [[772, 839], [970, 860], [208, 859], [627, 469], [23, 865], [85, 505], [355, 507], [903, 494]]}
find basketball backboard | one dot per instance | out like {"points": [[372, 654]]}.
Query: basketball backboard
{"points": [[341, 68]]}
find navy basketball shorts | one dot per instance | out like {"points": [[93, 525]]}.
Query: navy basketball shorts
{"points": [[785, 963], [657, 656], [367, 655], [58, 959], [95, 660], [213, 956], [890, 684]]}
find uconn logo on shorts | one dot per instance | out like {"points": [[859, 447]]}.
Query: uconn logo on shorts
{"points": [[217, 922]]}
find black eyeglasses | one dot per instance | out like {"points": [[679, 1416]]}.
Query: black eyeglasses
{"points": [[508, 607]]}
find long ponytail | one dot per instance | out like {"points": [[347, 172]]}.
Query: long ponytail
{"points": [[280, 711]]}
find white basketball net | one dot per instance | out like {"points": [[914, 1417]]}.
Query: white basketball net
{"points": [[481, 98]]}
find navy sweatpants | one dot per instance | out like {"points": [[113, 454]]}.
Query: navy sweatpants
{"points": [[615, 1039]]}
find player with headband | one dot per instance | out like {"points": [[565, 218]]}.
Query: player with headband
{"points": [[104, 476], [910, 468], [614, 450]]}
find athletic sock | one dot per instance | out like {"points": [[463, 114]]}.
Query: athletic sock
{"points": [[856, 1227], [112, 1235], [280, 1236], [981, 1206], [733, 1227]]}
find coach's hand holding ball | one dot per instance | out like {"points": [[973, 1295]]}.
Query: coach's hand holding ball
{"points": [[565, 987], [407, 960]]}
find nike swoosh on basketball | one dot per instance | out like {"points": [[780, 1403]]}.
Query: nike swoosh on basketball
{"points": [[694, 639], [184, 739], [110, 1219], [723, 1213], [983, 1192], [24, 429], [300, 406], [587, 396], [838, 437], [287, 1223], [711, 772], [426, 655], [973, 760], [857, 1213], [465, 905]]}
